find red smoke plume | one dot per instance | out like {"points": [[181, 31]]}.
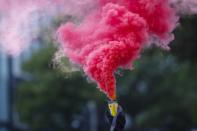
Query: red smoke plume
{"points": [[113, 35]]}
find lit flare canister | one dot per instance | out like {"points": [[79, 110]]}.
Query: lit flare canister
{"points": [[113, 107]]}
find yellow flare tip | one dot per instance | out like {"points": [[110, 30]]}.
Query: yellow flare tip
{"points": [[113, 107]]}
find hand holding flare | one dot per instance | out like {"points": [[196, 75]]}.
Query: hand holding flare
{"points": [[116, 117]]}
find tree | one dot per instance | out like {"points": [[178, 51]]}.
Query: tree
{"points": [[51, 101], [161, 91]]}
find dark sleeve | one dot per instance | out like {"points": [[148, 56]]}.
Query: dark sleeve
{"points": [[108, 117], [120, 122]]}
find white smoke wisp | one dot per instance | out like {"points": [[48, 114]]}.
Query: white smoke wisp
{"points": [[20, 20], [63, 64], [16, 29], [185, 7]]}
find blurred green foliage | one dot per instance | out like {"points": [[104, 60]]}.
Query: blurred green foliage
{"points": [[159, 93], [51, 99], [184, 46]]}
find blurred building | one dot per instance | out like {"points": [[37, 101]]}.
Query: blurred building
{"points": [[3, 92], [10, 74]]}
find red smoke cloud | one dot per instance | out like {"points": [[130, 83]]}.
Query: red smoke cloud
{"points": [[113, 35]]}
